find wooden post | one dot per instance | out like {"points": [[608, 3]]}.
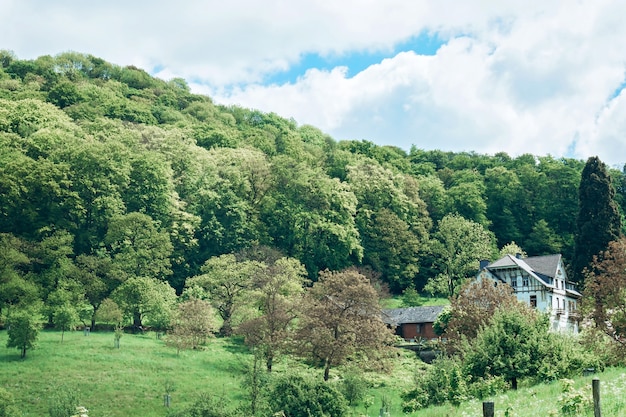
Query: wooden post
{"points": [[488, 409], [595, 388]]}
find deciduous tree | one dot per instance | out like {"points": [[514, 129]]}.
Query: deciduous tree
{"points": [[146, 298], [277, 290], [605, 285], [226, 280], [340, 319], [191, 324], [473, 307], [23, 330], [458, 246]]}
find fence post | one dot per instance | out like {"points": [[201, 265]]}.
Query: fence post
{"points": [[488, 409], [595, 388]]}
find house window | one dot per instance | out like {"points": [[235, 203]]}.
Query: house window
{"points": [[514, 282], [533, 301], [525, 281], [419, 328]]}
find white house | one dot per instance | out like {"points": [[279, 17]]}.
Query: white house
{"points": [[540, 281]]}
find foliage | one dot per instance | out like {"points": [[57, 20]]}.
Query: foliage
{"points": [[227, 280], [63, 402], [605, 285], [572, 402], [191, 324], [442, 382], [297, 396], [8, 408], [458, 247], [146, 298], [473, 308], [23, 330], [353, 386], [598, 222], [277, 290], [410, 297], [515, 344], [513, 249], [206, 405], [340, 318], [65, 317]]}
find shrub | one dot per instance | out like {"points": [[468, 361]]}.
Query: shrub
{"points": [[296, 396], [443, 382]]}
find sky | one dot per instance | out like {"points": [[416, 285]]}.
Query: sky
{"points": [[545, 77]]}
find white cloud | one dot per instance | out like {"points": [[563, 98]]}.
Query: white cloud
{"points": [[535, 76]]}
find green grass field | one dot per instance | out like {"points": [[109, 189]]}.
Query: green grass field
{"points": [[130, 381]]}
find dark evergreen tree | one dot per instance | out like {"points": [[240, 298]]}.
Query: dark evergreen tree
{"points": [[598, 221]]}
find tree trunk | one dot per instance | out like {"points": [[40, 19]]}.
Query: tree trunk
{"points": [[514, 383], [227, 329], [23, 352], [326, 370], [137, 320]]}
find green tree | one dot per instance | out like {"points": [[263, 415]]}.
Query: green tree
{"points": [[65, 317], [227, 280], [512, 249], [543, 240], [191, 324], [277, 290], [137, 246], [598, 221], [23, 330], [146, 299], [512, 346], [458, 246], [341, 318]]}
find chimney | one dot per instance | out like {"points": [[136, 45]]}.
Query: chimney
{"points": [[483, 264], [518, 255]]}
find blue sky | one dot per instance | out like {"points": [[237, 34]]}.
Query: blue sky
{"points": [[355, 61], [545, 77]]}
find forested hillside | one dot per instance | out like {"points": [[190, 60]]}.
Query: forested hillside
{"points": [[107, 173]]}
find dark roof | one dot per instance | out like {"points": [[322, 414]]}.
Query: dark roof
{"points": [[397, 316], [545, 265]]}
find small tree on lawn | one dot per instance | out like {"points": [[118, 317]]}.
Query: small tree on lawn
{"points": [[110, 312], [65, 317], [192, 323], [23, 330]]}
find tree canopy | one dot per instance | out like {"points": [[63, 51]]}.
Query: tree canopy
{"points": [[109, 174]]}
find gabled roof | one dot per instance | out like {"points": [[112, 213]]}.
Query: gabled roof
{"points": [[545, 265], [426, 314]]}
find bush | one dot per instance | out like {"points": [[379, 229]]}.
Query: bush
{"points": [[443, 382], [205, 406], [353, 386], [7, 404], [296, 396]]}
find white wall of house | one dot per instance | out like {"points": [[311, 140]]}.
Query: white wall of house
{"points": [[551, 299]]}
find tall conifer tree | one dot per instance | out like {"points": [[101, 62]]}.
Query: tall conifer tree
{"points": [[598, 221]]}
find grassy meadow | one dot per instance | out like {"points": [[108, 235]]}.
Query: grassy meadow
{"points": [[131, 381]]}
